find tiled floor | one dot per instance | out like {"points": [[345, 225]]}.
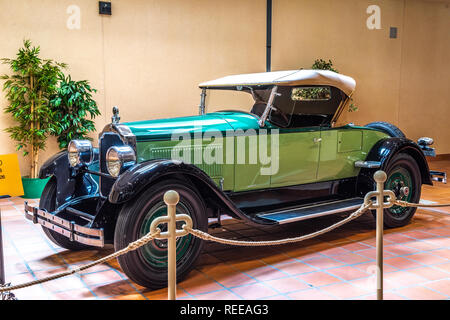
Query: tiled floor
{"points": [[338, 265]]}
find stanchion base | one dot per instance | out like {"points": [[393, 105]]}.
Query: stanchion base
{"points": [[7, 295]]}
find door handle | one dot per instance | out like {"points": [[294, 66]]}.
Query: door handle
{"points": [[317, 140]]}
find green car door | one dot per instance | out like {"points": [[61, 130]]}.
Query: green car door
{"points": [[248, 167], [298, 157]]}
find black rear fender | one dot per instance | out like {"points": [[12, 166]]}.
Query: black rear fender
{"points": [[383, 151]]}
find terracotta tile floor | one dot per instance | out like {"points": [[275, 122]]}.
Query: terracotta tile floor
{"points": [[338, 265]]}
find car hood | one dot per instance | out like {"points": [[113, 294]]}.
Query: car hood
{"points": [[216, 121]]}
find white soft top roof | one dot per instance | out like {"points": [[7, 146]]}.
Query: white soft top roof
{"points": [[286, 78]]}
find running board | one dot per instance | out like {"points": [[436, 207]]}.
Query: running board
{"points": [[312, 211]]}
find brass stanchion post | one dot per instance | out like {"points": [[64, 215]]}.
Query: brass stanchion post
{"points": [[171, 199], [380, 177]]}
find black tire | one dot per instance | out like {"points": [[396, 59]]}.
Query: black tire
{"points": [[48, 202], [147, 265], [387, 128], [401, 165]]}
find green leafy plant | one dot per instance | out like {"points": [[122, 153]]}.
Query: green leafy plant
{"points": [[320, 64], [71, 106], [28, 91], [316, 93], [352, 107]]}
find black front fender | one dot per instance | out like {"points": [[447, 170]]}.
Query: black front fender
{"points": [[68, 186], [383, 151], [142, 175], [53, 163]]}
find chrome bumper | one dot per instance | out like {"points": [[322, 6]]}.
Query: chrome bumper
{"points": [[87, 236]]}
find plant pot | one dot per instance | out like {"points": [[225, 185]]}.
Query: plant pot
{"points": [[33, 187]]}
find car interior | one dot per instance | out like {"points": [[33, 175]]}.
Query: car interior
{"points": [[299, 107]]}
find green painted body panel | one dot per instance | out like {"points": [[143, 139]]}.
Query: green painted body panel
{"points": [[248, 170], [196, 152], [163, 129], [299, 158], [341, 148], [303, 157]]}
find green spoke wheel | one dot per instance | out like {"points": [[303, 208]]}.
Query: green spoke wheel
{"points": [[147, 266], [155, 252], [400, 181], [404, 179]]}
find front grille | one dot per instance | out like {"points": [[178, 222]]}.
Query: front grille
{"points": [[107, 140]]}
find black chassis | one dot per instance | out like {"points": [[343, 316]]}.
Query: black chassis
{"points": [[77, 190]]}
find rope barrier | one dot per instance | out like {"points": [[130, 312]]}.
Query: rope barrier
{"points": [[206, 236], [419, 205], [132, 246], [368, 205]]}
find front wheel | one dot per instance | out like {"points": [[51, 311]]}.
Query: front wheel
{"points": [[48, 202], [404, 179], [147, 266]]}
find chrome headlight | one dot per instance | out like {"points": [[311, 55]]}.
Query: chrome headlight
{"points": [[119, 158], [80, 152]]}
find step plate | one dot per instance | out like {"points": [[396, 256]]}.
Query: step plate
{"points": [[313, 211]]}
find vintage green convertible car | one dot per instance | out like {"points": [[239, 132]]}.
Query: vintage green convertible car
{"points": [[288, 159]]}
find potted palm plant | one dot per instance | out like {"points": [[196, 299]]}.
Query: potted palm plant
{"points": [[29, 89]]}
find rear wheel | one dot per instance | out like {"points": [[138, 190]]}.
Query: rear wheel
{"points": [[48, 202], [404, 179], [147, 265]]}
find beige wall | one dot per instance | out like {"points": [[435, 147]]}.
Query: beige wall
{"points": [[424, 103], [403, 81], [337, 30], [149, 56]]}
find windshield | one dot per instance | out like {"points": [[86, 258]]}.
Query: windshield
{"points": [[293, 107], [305, 106], [246, 99]]}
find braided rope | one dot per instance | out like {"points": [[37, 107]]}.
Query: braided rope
{"points": [[205, 236], [410, 204], [131, 247]]}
